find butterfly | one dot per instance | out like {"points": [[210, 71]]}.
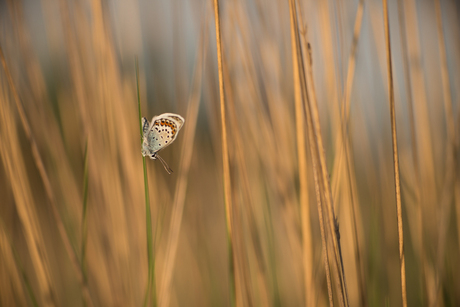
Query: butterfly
{"points": [[160, 133]]}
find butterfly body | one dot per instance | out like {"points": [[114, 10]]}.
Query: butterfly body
{"points": [[160, 133]]}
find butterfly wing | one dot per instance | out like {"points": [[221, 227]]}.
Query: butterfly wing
{"points": [[163, 131], [145, 125]]}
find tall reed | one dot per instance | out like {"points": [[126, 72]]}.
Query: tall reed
{"points": [[288, 137], [391, 97]]}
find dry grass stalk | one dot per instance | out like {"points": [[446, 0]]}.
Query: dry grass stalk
{"points": [[343, 152], [448, 108], [16, 173], [225, 161], [242, 270], [349, 164], [186, 158], [423, 129], [46, 182], [320, 171], [316, 141], [75, 81], [395, 156], [452, 163], [11, 290], [415, 157], [310, 289], [319, 154]]}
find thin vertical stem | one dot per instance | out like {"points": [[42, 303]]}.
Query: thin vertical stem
{"points": [[452, 142], [345, 142], [148, 218], [415, 155], [310, 292], [395, 156], [314, 150], [225, 159], [183, 178], [84, 220], [47, 183], [448, 110], [312, 114]]}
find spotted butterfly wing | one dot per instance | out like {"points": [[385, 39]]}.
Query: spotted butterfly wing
{"points": [[161, 132], [145, 126]]}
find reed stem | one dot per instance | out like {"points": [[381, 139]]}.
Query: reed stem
{"points": [[402, 259]]}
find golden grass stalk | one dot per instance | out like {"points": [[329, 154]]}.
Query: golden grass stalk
{"points": [[448, 109], [345, 141], [424, 146], [322, 185], [452, 152], [402, 259], [244, 278], [225, 161], [84, 220], [12, 292], [318, 153], [150, 292], [241, 250], [342, 147], [415, 157], [307, 257], [445, 75], [21, 190], [16, 173], [299, 80], [47, 184], [325, 189], [182, 181]]}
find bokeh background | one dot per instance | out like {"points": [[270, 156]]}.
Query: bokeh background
{"points": [[68, 94]]}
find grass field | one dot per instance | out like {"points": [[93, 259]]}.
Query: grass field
{"points": [[318, 165]]}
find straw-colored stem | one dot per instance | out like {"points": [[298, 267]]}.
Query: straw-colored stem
{"points": [[313, 143], [452, 146], [84, 219], [225, 161], [240, 248], [182, 181], [312, 114], [448, 109], [321, 219], [243, 249], [46, 182], [15, 272], [307, 251], [415, 156], [313, 117], [344, 123], [395, 155]]}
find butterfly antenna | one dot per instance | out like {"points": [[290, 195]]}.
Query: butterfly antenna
{"points": [[165, 165]]}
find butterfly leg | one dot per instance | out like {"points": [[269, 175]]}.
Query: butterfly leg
{"points": [[165, 165]]}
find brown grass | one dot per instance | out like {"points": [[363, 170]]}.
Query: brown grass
{"points": [[288, 153], [235, 296], [402, 257]]}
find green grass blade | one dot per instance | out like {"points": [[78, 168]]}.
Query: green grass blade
{"points": [[150, 255]]}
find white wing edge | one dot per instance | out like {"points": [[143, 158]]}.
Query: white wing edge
{"points": [[168, 115]]}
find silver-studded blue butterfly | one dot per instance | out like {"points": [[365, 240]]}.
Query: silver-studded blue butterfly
{"points": [[160, 133]]}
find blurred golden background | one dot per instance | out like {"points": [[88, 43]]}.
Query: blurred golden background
{"points": [[237, 223]]}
